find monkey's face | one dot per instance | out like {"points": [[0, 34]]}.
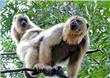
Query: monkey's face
{"points": [[21, 20], [75, 29], [77, 25]]}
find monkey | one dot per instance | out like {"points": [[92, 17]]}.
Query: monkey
{"points": [[20, 24], [22, 31], [64, 41], [27, 53]]}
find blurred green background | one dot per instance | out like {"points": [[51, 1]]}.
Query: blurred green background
{"points": [[48, 13]]}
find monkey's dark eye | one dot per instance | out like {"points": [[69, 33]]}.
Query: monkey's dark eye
{"points": [[23, 22]]}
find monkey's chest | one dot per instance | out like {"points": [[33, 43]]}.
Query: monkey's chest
{"points": [[62, 52]]}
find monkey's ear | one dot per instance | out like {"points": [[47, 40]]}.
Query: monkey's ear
{"points": [[87, 26]]}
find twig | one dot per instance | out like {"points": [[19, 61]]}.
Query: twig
{"points": [[93, 51]]}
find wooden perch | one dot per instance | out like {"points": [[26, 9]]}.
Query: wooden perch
{"points": [[58, 71], [14, 53]]}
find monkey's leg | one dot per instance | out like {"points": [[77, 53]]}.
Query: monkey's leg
{"points": [[31, 59], [45, 54], [74, 64], [73, 69]]}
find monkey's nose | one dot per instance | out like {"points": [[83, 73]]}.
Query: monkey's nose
{"points": [[75, 24]]}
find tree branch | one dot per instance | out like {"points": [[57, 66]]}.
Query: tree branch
{"points": [[8, 53], [16, 70], [58, 71], [14, 53]]}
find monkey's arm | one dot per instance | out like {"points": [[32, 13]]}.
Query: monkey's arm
{"points": [[15, 36], [75, 60]]}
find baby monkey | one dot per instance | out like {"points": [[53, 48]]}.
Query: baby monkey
{"points": [[20, 24], [22, 31]]}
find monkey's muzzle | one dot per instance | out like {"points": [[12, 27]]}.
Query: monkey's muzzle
{"points": [[23, 22], [75, 24]]}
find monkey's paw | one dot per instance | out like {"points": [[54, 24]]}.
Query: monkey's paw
{"points": [[40, 68]]}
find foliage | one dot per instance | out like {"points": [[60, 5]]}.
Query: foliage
{"points": [[48, 13]]}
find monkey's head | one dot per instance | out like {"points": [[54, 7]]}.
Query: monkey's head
{"points": [[75, 28], [21, 22]]}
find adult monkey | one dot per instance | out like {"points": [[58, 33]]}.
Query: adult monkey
{"points": [[64, 41]]}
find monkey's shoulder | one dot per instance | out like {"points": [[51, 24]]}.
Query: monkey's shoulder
{"points": [[53, 35]]}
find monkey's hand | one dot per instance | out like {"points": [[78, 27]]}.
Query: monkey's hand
{"points": [[49, 71], [40, 68]]}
